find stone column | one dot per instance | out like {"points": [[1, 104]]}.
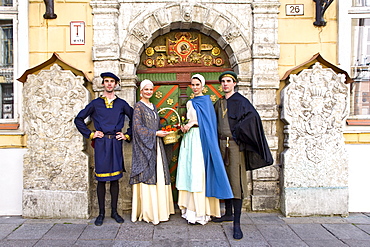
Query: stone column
{"points": [[106, 57], [105, 48], [56, 171], [315, 164], [264, 84]]}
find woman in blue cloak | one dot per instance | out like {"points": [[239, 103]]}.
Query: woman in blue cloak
{"points": [[201, 176]]}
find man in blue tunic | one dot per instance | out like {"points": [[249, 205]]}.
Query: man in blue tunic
{"points": [[108, 114]]}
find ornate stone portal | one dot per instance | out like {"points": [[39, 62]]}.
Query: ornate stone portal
{"points": [[245, 30], [56, 171], [315, 165]]}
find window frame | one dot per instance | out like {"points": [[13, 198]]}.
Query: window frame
{"points": [[9, 8], [19, 14], [346, 13], [13, 17]]}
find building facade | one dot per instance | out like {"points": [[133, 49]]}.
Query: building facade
{"points": [[167, 42]]}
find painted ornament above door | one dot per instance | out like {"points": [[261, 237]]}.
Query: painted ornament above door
{"points": [[185, 49]]}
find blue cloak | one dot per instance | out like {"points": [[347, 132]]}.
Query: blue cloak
{"points": [[217, 182]]}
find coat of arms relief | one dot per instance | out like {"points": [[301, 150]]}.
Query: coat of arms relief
{"points": [[315, 109]]}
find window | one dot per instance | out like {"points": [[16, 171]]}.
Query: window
{"points": [[360, 67], [13, 20], [6, 70], [354, 57], [360, 3], [6, 3]]}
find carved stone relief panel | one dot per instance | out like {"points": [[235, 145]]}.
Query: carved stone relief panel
{"points": [[314, 111], [54, 162]]}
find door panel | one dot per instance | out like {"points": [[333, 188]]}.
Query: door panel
{"points": [[167, 96]]}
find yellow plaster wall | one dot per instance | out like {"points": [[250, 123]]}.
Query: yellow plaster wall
{"points": [[53, 35], [299, 39], [48, 36], [12, 141], [357, 138]]}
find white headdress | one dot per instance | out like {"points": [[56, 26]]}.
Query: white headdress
{"points": [[200, 78], [144, 83]]}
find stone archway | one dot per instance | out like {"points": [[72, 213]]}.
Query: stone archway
{"points": [[247, 32]]}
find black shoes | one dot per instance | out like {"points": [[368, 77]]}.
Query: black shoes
{"points": [[99, 220], [238, 234], [223, 218], [117, 217]]}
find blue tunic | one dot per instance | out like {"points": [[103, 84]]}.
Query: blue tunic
{"points": [[217, 182], [110, 119]]}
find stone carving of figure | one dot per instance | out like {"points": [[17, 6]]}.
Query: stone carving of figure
{"points": [[49, 13]]}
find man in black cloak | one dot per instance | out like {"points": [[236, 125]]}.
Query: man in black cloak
{"points": [[243, 145]]}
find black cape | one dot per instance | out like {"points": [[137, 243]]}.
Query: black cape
{"points": [[246, 127]]}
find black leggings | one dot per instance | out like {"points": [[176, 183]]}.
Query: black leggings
{"points": [[114, 189], [237, 205]]}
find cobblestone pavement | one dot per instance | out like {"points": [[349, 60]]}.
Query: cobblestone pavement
{"points": [[260, 229]]}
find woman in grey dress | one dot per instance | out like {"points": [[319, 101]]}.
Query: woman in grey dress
{"points": [[151, 186]]}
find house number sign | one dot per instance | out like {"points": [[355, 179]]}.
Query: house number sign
{"points": [[294, 9]]}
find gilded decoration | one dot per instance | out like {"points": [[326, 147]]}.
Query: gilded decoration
{"points": [[149, 51], [196, 57], [218, 61], [183, 49], [213, 97], [149, 62], [170, 101], [207, 60], [216, 51], [160, 60], [173, 118], [158, 94], [205, 90], [172, 59], [174, 158]]}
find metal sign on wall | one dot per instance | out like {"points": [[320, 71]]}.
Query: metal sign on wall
{"points": [[294, 9], [77, 32]]}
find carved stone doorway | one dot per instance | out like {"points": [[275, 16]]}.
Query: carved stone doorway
{"points": [[246, 31]]}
